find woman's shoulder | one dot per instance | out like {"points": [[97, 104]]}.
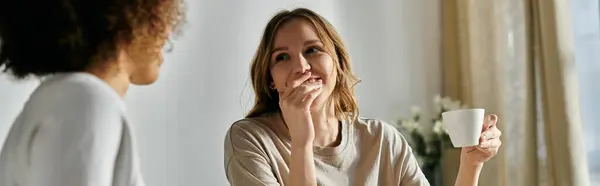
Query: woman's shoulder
{"points": [[249, 135], [74, 100], [250, 126], [76, 90], [254, 128]]}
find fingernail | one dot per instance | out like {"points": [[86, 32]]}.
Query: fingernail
{"points": [[493, 117], [486, 135]]}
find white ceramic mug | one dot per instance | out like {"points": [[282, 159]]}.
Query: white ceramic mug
{"points": [[464, 126]]}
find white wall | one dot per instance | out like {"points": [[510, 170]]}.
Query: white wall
{"points": [[204, 87], [12, 96], [395, 47]]}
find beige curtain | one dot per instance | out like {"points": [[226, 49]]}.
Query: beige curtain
{"points": [[515, 58]]}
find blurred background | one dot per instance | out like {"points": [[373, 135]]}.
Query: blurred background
{"points": [[532, 62]]}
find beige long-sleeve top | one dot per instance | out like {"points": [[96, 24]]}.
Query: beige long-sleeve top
{"points": [[371, 152]]}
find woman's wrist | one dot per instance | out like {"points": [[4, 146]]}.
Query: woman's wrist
{"points": [[302, 167], [301, 144], [301, 147], [468, 174], [469, 167]]}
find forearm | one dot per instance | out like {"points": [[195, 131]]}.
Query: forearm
{"points": [[468, 175], [302, 168]]}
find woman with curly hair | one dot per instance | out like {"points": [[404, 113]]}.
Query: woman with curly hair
{"points": [[73, 130]]}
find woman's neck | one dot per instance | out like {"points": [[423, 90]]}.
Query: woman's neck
{"points": [[115, 73], [118, 82], [326, 126]]}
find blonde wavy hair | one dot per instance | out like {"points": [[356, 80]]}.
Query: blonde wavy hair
{"points": [[267, 99]]}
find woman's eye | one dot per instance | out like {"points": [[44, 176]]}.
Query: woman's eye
{"points": [[282, 57], [311, 50]]}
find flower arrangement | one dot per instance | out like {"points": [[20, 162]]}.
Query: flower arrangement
{"points": [[429, 141]]}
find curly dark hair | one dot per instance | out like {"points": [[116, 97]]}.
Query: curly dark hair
{"points": [[43, 37]]}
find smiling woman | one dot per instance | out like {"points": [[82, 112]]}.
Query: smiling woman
{"points": [[304, 128], [322, 39]]}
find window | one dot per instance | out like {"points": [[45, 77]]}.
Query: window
{"points": [[586, 25]]}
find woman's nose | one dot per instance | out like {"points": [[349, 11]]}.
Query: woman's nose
{"points": [[301, 65]]}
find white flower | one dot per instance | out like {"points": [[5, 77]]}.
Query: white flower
{"points": [[437, 99], [455, 105], [420, 160], [446, 103], [439, 128], [410, 125], [415, 111], [449, 104], [437, 102]]}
